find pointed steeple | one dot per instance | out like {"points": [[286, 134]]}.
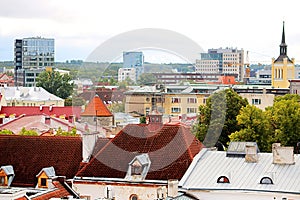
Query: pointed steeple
{"points": [[283, 46]]}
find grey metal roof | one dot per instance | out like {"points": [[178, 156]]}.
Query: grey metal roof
{"points": [[208, 166], [8, 169], [50, 172], [28, 93]]}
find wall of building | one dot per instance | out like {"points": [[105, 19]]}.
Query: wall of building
{"points": [[119, 191], [261, 101], [282, 72], [101, 121]]}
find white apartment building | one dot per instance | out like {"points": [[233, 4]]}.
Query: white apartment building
{"points": [[125, 73], [228, 61]]}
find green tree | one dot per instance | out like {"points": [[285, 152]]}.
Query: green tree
{"points": [[28, 132], [255, 127], [61, 132], [55, 83], [6, 132], [217, 119], [146, 79], [285, 119], [74, 101], [117, 107]]}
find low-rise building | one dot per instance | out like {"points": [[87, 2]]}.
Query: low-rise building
{"points": [[245, 174], [28, 96]]}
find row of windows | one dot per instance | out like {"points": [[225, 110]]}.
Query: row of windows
{"points": [[188, 110], [264, 180], [178, 100]]}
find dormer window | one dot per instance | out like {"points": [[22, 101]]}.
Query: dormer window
{"points": [[44, 175], [266, 180], [6, 175], [223, 179], [136, 168]]}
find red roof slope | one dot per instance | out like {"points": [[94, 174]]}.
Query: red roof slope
{"points": [[29, 154], [96, 106], [47, 110], [171, 150]]}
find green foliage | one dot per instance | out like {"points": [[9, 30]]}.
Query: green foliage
{"points": [[217, 119], [143, 120], [6, 132], [146, 79], [55, 83], [279, 123], [60, 132], [255, 127], [28, 132], [117, 107], [285, 119], [74, 101]]}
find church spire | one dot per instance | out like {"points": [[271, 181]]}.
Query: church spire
{"points": [[283, 46]]}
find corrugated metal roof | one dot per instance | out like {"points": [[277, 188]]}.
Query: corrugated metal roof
{"points": [[208, 166], [28, 93]]}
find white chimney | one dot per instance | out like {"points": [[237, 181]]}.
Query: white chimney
{"points": [[173, 188], [282, 155], [251, 154], [88, 143]]}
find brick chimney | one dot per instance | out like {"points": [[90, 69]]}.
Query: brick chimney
{"points": [[173, 188], [282, 155], [251, 154]]}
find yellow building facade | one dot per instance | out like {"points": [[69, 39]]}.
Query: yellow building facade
{"points": [[283, 68]]}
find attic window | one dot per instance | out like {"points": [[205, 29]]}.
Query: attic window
{"points": [[2, 180], [43, 182], [133, 197], [223, 179], [136, 168], [266, 180]]}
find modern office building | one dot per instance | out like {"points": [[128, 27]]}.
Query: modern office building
{"points": [[125, 73], [134, 60], [283, 68], [32, 55], [228, 61]]}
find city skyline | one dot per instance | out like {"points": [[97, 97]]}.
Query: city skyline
{"points": [[78, 28]]}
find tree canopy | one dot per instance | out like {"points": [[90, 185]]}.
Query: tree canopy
{"points": [[146, 79], [55, 83], [278, 123], [217, 119]]}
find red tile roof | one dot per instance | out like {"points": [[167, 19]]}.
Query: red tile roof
{"points": [[171, 150], [59, 192], [33, 110], [30, 154], [37, 123], [96, 106]]}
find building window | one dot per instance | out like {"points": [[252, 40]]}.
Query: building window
{"points": [[256, 101], [133, 197], [2, 180], [192, 100], [136, 168], [223, 179], [43, 182], [191, 110], [266, 180], [175, 100], [175, 110]]}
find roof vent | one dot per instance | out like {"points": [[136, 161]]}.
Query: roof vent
{"points": [[238, 149]]}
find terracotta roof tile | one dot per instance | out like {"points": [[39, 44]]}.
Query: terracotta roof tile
{"points": [[59, 192], [96, 104], [171, 150], [47, 110], [29, 154]]}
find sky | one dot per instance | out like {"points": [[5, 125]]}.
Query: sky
{"points": [[79, 27]]}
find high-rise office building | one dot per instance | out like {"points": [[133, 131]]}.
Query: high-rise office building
{"points": [[228, 61], [32, 56], [134, 60]]}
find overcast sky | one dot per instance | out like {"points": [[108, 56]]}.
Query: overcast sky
{"points": [[80, 26]]}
